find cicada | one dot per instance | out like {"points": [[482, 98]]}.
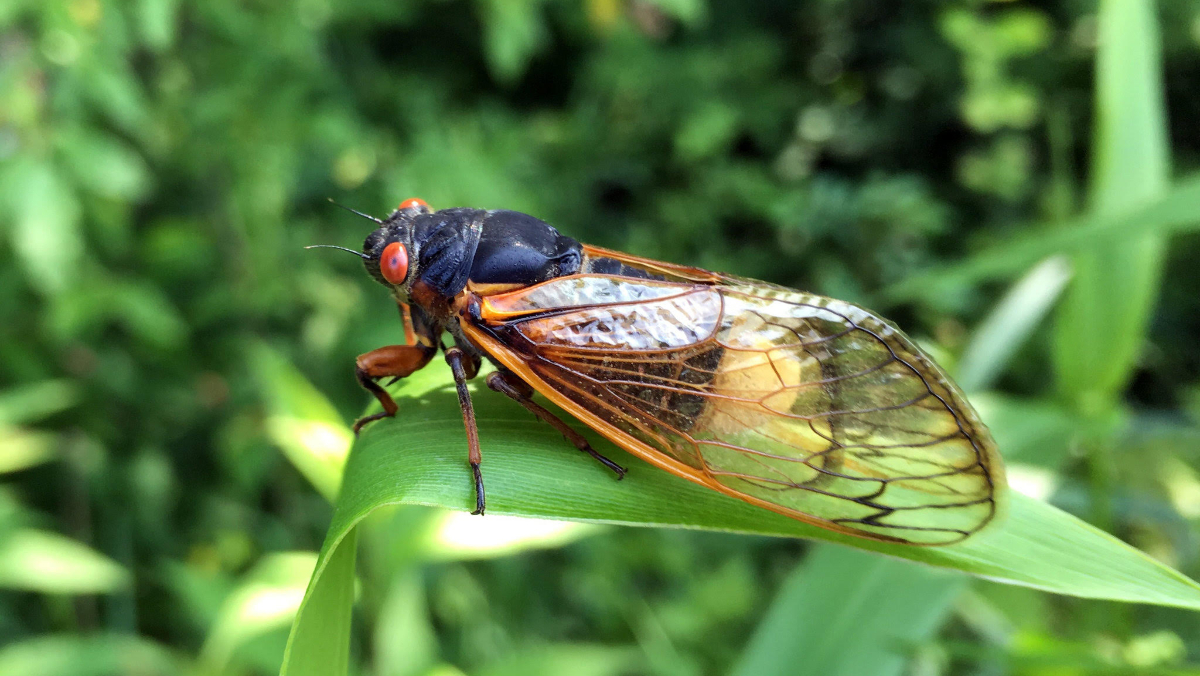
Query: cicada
{"points": [[808, 406]]}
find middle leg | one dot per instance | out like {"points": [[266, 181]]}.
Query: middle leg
{"points": [[464, 367], [507, 383]]}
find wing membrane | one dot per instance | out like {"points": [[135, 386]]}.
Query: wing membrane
{"points": [[807, 405]]}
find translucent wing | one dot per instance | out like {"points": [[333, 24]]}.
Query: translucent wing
{"points": [[809, 406]]}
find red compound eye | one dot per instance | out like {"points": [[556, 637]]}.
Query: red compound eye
{"points": [[393, 264], [412, 202]]}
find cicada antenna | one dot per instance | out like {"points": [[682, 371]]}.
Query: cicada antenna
{"points": [[342, 248], [369, 217]]}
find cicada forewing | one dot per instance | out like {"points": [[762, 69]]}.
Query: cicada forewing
{"points": [[806, 405]]}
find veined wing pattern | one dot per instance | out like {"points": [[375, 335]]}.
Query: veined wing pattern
{"points": [[807, 405]]}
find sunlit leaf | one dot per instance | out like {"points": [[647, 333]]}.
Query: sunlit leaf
{"points": [[405, 642], [46, 235], [319, 643], [34, 401], [21, 449], [99, 655], [157, 21], [267, 598], [103, 164], [460, 535], [302, 422], [42, 561]]}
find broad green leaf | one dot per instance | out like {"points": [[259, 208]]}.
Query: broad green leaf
{"points": [[42, 561], [1102, 319], [101, 655], [858, 614], [419, 458]]}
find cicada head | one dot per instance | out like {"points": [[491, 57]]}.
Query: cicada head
{"points": [[389, 253]]}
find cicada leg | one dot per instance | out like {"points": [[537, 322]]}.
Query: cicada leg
{"points": [[464, 367], [508, 384], [398, 361]]}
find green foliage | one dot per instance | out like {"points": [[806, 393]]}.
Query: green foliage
{"points": [[866, 616], [175, 374]]}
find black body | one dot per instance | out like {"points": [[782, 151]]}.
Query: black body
{"points": [[449, 247]]}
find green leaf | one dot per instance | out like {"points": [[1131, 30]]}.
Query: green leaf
{"points": [[405, 641], [420, 458], [319, 643], [1010, 323], [266, 599], [458, 536], [689, 12], [301, 421], [157, 21], [45, 230], [33, 401], [88, 656], [104, 165], [42, 561], [573, 659], [1102, 320], [859, 614], [514, 31], [1033, 431], [21, 448], [1178, 210]]}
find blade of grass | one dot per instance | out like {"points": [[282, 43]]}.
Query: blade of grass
{"points": [[319, 643], [1010, 323], [420, 458], [1178, 210], [1102, 319], [858, 614]]}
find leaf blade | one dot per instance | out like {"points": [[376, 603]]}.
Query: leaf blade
{"points": [[859, 613]]}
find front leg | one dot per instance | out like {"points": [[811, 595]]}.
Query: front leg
{"points": [[464, 368], [397, 361]]}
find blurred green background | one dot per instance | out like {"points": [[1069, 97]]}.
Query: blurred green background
{"points": [[950, 164]]}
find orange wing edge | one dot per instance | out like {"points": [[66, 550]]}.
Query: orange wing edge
{"points": [[682, 272]]}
